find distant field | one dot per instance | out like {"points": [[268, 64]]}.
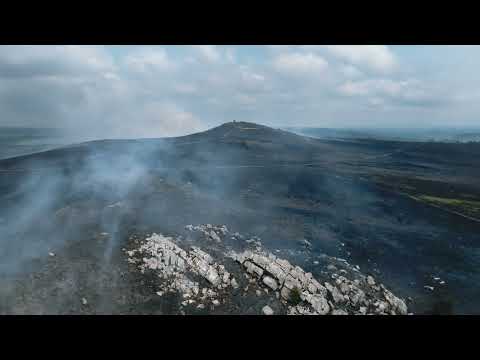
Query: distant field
{"points": [[462, 198], [441, 135], [20, 141]]}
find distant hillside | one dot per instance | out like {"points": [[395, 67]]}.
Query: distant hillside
{"points": [[442, 135]]}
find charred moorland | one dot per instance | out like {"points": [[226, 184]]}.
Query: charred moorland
{"points": [[406, 212]]}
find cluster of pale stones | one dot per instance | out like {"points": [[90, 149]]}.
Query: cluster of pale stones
{"points": [[210, 231], [279, 275], [341, 297], [172, 263]]}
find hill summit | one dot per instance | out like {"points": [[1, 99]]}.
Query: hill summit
{"points": [[247, 131]]}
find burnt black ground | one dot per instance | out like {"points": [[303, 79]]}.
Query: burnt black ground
{"points": [[340, 195]]}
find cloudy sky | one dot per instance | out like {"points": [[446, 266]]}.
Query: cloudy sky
{"points": [[149, 91]]}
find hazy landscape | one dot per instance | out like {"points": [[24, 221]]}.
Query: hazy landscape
{"points": [[405, 212], [456, 135], [239, 179]]}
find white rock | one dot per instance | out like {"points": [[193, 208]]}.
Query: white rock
{"points": [[291, 282], [214, 236], [312, 288], [336, 295], [357, 296], [267, 310], [381, 306], [285, 292], [277, 271], [307, 243], [270, 282], [51, 254], [339, 312], [212, 276], [320, 304], [215, 302], [226, 277], [253, 269], [397, 304], [344, 288], [84, 301]]}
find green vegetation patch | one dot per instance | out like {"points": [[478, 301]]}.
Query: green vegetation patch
{"points": [[469, 207], [295, 297]]}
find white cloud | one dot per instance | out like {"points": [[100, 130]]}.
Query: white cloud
{"points": [[375, 87], [52, 60], [251, 81], [403, 92], [300, 64], [350, 71], [377, 58], [146, 60], [374, 58], [155, 91], [230, 55], [279, 48], [209, 53], [245, 100], [186, 88], [167, 119]]}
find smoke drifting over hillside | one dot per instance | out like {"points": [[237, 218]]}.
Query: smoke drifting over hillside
{"points": [[54, 195], [82, 203]]}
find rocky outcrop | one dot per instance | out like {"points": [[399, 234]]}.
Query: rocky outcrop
{"points": [[212, 232], [340, 296], [279, 275], [213, 279], [170, 262]]}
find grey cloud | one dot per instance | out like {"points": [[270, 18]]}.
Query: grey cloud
{"points": [[146, 91]]}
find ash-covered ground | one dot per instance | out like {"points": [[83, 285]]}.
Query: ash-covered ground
{"points": [[70, 216]]}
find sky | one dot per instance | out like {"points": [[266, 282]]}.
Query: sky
{"points": [[154, 91]]}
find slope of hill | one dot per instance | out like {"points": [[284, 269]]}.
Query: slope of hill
{"points": [[347, 199]]}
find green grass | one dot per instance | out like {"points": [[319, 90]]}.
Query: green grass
{"points": [[295, 298], [467, 206], [450, 201]]}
